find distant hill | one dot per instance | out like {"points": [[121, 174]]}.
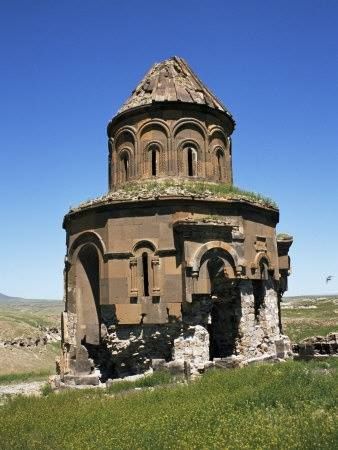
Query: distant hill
{"points": [[8, 299]]}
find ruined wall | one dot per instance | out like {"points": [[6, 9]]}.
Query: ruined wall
{"points": [[199, 304]]}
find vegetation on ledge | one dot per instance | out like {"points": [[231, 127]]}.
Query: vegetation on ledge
{"points": [[284, 237], [173, 187]]}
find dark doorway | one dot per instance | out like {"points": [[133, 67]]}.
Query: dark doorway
{"points": [[88, 295], [225, 310]]}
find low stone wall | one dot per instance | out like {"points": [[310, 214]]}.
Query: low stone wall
{"points": [[47, 335], [317, 346]]}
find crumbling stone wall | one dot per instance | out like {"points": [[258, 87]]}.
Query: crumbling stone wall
{"points": [[258, 332], [317, 346], [132, 348]]}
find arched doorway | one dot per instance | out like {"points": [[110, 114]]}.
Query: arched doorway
{"points": [[225, 310], [88, 296], [217, 293]]}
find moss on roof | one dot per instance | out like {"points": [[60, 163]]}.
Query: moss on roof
{"points": [[142, 190]]}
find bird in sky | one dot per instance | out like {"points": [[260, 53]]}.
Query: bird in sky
{"points": [[329, 278]]}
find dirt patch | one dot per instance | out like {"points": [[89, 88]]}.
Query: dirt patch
{"points": [[30, 388]]}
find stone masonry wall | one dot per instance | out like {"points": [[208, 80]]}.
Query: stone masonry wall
{"points": [[211, 328], [257, 335]]}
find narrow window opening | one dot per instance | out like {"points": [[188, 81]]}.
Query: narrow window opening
{"points": [[219, 164], [145, 274], [154, 163], [125, 161], [190, 163]]}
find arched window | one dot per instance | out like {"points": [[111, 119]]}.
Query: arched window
{"points": [[145, 274], [154, 161], [220, 163], [191, 161], [125, 163]]}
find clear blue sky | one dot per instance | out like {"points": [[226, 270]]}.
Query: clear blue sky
{"points": [[66, 67]]}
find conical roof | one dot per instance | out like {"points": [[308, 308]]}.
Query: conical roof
{"points": [[172, 80]]}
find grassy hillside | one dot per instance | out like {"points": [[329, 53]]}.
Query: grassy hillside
{"points": [[303, 317], [286, 406], [22, 319]]}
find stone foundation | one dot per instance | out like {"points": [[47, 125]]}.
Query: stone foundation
{"points": [[242, 326]]}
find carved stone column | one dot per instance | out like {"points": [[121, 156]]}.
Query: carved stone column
{"points": [[155, 264], [133, 277]]}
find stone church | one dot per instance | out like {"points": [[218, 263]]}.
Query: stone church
{"points": [[174, 267]]}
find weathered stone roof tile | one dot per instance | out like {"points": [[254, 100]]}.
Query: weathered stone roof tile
{"points": [[171, 80]]}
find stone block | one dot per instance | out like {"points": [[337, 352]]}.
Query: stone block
{"points": [[154, 313], [281, 348], [90, 380], [128, 314], [83, 364], [174, 312], [159, 364], [176, 367]]}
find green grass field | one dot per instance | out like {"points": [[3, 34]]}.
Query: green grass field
{"points": [[304, 317], [290, 405]]}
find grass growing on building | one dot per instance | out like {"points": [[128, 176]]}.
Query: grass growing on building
{"points": [[200, 188], [174, 187], [290, 405]]}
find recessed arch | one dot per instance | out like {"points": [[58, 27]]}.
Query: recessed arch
{"points": [[190, 143], [125, 160], [195, 261], [181, 123], [217, 129], [154, 122], [259, 257], [153, 143], [87, 291], [126, 129], [144, 270], [144, 243], [87, 237], [153, 162]]}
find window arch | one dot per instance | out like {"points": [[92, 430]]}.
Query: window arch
{"points": [[144, 265]]}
